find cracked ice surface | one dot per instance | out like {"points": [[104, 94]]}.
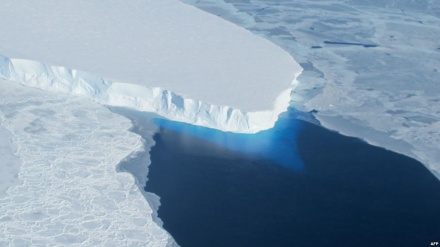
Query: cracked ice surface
{"points": [[388, 95], [71, 192]]}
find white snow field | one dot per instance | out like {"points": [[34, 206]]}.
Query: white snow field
{"points": [[71, 192], [371, 68], [186, 64]]}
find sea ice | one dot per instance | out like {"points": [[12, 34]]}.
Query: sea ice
{"points": [[71, 191]]}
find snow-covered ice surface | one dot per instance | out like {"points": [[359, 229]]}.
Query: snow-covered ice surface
{"points": [[9, 162], [371, 68], [225, 69], [70, 190]]}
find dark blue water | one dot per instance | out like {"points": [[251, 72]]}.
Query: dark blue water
{"points": [[296, 185]]}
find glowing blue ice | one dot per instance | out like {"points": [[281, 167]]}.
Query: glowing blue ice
{"points": [[277, 144]]}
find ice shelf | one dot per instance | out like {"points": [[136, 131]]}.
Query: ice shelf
{"points": [[209, 71]]}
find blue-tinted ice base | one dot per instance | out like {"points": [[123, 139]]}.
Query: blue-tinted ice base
{"points": [[274, 144]]}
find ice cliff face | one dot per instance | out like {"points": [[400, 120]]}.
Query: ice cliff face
{"points": [[154, 99]]}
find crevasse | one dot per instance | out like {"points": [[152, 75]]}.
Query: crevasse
{"points": [[152, 99]]}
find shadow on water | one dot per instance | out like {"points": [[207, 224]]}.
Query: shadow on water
{"points": [[224, 189]]}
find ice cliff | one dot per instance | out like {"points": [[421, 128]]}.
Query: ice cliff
{"points": [[153, 99]]}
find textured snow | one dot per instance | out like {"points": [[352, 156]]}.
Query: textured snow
{"points": [[9, 162], [371, 68], [71, 192], [166, 44]]}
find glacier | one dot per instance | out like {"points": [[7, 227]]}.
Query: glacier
{"points": [[197, 60]]}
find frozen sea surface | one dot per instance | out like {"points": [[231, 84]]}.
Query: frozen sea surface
{"points": [[384, 90], [71, 192]]}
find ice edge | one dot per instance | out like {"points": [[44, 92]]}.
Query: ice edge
{"points": [[151, 99]]}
